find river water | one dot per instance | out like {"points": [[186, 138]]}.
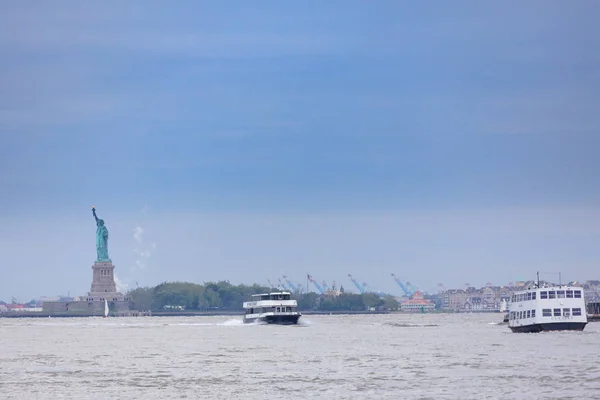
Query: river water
{"points": [[397, 356]]}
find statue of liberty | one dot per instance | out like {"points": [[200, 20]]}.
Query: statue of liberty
{"points": [[101, 239]]}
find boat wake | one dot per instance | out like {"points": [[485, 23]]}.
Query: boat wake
{"points": [[397, 325]]}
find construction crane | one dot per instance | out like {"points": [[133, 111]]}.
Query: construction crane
{"points": [[407, 289], [270, 284], [290, 284], [311, 280], [361, 289]]}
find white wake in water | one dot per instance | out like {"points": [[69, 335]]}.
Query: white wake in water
{"points": [[232, 322]]}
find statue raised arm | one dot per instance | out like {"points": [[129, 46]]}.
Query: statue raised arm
{"points": [[101, 239]]}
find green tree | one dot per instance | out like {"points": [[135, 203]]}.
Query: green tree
{"points": [[390, 303], [371, 300], [141, 298], [307, 301]]}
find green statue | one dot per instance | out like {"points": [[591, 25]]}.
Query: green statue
{"points": [[101, 239]]}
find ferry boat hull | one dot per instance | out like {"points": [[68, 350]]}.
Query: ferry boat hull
{"points": [[554, 326], [275, 319]]}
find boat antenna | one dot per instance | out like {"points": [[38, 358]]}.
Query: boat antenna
{"points": [[559, 282], [537, 284]]}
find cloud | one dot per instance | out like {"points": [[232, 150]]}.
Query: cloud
{"points": [[138, 231], [142, 250], [122, 287]]}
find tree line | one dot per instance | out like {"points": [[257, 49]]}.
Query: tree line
{"points": [[215, 296]]}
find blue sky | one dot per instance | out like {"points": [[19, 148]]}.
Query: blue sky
{"points": [[447, 142]]}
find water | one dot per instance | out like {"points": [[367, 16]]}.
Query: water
{"points": [[327, 357]]}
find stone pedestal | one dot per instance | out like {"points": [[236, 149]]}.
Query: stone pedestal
{"points": [[103, 280], [103, 288]]}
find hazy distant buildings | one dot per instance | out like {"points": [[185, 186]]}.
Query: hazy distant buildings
{"points": [[490, 298]]}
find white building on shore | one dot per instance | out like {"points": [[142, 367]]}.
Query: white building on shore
{"points": [[417, 304]]}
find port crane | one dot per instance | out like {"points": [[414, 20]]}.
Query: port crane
{"points": [[319, 288], [290, 284], [361, 289], [407, 289], [283, 285]]}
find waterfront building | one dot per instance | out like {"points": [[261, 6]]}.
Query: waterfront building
{"points": [[417, 304]]}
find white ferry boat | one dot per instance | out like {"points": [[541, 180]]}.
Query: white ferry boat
{"points": [[272, 308], [554, 308]]}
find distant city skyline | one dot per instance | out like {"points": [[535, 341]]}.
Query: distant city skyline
{"points": [[446, 144]]}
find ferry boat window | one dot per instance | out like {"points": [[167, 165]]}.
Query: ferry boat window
{"points": [[557, 312], [566, 312], [512, 315], [546, 312], [528, 314], [265, 297], [529, 296], [532, 313], [543, 295], [552, 294], [569, 294], [577, 312], [577, 294], [533, 296], [560, 294]]}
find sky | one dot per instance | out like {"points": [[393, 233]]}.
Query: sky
{"points": [[446, 142]]}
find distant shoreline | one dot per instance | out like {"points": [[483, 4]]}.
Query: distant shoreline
{"points": [[41, 314], [224, 313]]}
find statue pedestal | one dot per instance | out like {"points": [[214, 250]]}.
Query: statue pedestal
{"points": [[104, 288], [104, 278]]}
